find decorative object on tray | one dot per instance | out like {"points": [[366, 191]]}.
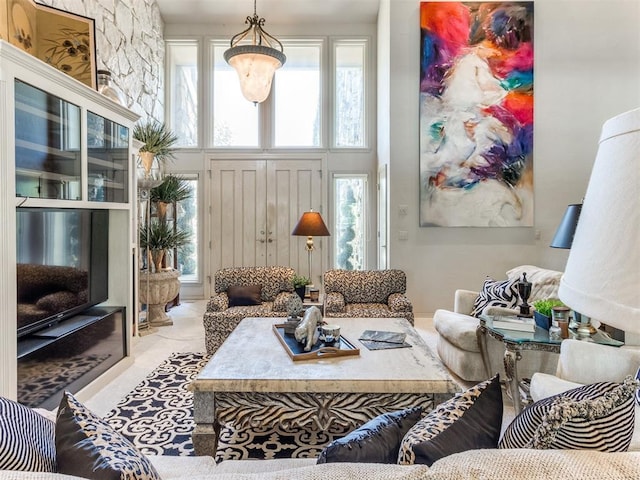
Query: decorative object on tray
{"points": [[319, 349], [381, 340], [329, 333], [307, 330], [524, 290], [295, 308], [511, 322]]}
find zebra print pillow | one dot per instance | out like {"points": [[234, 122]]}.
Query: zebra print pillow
{"points": [[496, 293], [599, 416], [27, 441]]}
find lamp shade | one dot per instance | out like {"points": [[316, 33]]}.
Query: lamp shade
{"points": [[602, 277], [256, 65], [567, 228], [311, 225]]}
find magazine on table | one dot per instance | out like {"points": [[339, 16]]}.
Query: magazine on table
{"points": [[382, 340], [522, 324]]}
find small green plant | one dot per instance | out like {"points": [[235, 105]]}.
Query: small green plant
{"points": [[544, 306], [157, 138], [300, 281], [172, 189]]}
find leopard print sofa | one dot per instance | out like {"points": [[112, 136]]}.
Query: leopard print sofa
{"points": [[220, 319], [366, 293]]}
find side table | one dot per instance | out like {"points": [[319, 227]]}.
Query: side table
{"points": [[515, 342], [307, 302]]}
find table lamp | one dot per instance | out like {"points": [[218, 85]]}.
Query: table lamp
{"points": [[602, 277], [567, 228], [310, 225]]}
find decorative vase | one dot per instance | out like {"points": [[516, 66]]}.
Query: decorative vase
{"points": [[146, 159], [106, 87], [542, 321], [156, 290], [301, 291], [156, 259]]}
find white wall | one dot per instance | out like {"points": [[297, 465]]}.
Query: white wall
{"points": [[587, 69]]}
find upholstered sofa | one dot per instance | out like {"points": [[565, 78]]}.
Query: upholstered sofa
{"points": [[274, 290], [457, 342], [366, 293]]}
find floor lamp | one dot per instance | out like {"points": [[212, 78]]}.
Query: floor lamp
{"points": [[310, 225]]}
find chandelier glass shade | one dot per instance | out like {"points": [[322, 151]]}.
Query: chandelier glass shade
{"points": [[255, 62]]}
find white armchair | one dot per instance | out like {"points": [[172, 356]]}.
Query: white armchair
{"points": [[457, 341], [581, 363]]}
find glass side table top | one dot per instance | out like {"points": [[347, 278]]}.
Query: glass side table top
{"points": [[540, 335]]}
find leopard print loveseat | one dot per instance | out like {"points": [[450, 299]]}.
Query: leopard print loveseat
{"points": [[220, 319], [366, 293]]}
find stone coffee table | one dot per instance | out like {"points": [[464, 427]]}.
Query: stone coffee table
{"points": [[251, 382]]}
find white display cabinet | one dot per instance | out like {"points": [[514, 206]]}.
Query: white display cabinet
{"points": [[63, 146]]}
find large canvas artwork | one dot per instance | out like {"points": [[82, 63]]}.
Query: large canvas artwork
{"points": [[476, 114]]}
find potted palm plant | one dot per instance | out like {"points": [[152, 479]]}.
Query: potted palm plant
{"points": [[158, 142], [172, 189]]}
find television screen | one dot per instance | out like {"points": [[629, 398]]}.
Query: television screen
{"points": [[62, 264]]}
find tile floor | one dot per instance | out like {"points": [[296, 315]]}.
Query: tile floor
{"points": [[185, 335]]}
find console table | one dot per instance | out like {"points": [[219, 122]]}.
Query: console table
{"points": [[252, 382]]}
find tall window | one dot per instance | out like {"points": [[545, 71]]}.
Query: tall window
{"points": [[187, 220], [235, 120], [297, 96], [182, 64], [350, 213], [349, 93]]}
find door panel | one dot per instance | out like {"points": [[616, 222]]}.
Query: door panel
{"points": [[255, 206]]}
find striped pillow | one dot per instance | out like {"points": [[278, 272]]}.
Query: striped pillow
{"points": [[599, 416], [496, 293], [27, 441]]}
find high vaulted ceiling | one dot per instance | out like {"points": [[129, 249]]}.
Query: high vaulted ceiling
{"points": [[276, 12]]}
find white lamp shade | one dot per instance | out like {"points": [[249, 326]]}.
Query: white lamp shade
{"points": [[602, 277], [255, 66]]}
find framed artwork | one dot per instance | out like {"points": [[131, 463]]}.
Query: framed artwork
{"points": [[476, 114], [20, 23], [62, 39], [67, 42]]}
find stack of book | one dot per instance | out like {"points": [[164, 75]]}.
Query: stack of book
{"points": [[522, 324]]}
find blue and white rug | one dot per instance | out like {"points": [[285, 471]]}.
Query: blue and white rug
{"points": [[157, 416]]}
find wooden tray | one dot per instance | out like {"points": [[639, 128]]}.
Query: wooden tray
{"points": [[320, 350]]}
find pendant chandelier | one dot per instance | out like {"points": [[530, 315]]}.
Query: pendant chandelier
{"points": [[255, 62]]}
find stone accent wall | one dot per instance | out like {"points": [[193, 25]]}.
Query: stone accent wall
{"points": [[130, 44]]}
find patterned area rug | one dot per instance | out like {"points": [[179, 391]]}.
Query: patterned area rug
{"points": [[157, 416]]}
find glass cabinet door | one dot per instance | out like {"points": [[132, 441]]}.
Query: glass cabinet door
{"points": [[108, 160], [48, 158]]}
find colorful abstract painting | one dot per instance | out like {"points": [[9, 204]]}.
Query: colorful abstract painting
{"points": [[476, 114]]}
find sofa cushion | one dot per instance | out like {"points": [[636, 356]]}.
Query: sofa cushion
{"points": [[377, 441], [244, 295], [599, 416], [470, 420], [88, 447], [27, 440], [496, 293], [273, 279]]}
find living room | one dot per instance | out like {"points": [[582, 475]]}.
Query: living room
{"points": [[587, 70]]}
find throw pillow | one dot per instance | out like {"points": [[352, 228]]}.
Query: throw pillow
{"points": [[496, 293], [377, 441], [599, 416], [242, 296], [88, 447], [638, 389], [27, 441], [470, 420]]}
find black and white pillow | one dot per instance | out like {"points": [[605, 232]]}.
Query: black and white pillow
{"points": [[599, 416], [86, 446], [377, 441], [27, 439], [496, 293], [471, 420]]}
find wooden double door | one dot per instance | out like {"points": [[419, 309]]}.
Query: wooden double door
{"points": [[256, 204]]}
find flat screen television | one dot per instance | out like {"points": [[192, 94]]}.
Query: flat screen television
{"points": [[62, 264]]}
